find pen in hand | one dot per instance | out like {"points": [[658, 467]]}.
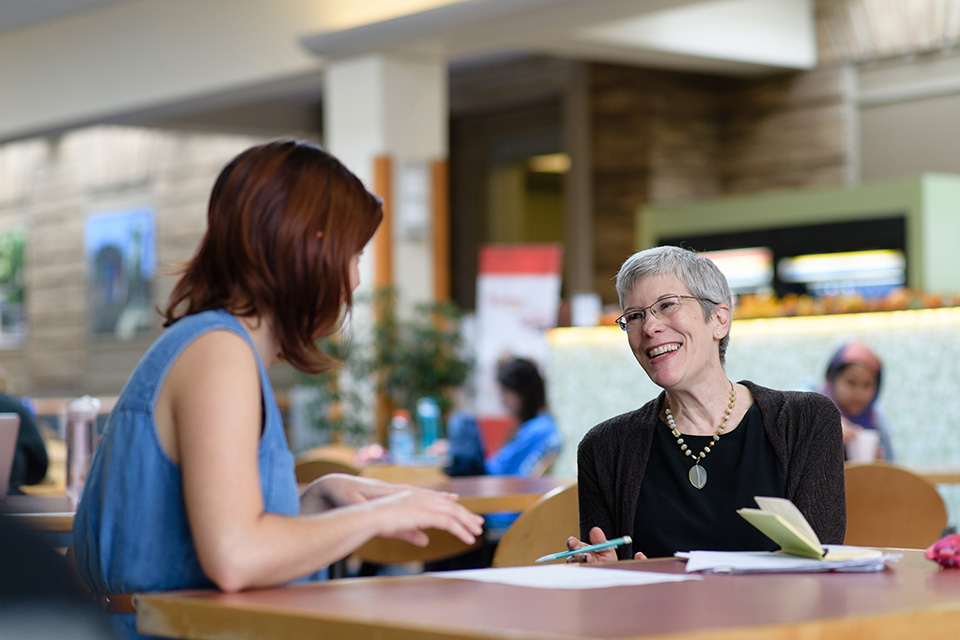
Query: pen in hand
{"points": [[609, 544]]}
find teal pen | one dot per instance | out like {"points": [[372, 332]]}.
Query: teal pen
{"points": [[609, 544]]}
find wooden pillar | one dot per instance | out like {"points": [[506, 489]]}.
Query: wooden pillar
{"points": [[383, 273], [439, 179], [383, 240]]}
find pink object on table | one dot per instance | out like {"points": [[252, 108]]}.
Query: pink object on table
{"points": [[945, 551]]}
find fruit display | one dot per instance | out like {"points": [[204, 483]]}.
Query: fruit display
{"points": [[769, 306]]}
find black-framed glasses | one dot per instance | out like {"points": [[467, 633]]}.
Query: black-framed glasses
{"points": [[662, 308]]}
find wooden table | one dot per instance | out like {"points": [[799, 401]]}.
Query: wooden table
{"points": [[912, 599], [49, 514], [489, 494]]}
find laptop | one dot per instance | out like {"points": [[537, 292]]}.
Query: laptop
{"points": [[9, 429]]}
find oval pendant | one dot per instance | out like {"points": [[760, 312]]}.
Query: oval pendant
{"points": [[698, 476]]}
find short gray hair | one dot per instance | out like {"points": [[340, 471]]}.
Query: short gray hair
{"points": [[700, 275]]}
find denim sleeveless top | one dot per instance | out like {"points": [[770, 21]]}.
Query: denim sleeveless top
{"points": [[131, 532]]}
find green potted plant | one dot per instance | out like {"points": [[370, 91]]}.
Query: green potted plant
{"points": [[417, 356], [408, 358]]}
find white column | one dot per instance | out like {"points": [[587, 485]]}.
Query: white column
{"points": [[395, 105]]}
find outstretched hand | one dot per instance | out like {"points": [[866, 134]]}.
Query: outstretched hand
{"points": [[401, 511], [341, 490], [407, 514]]}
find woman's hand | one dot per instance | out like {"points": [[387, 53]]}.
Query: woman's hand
{"points": [[340, 490], [605, 555], [850, 430], [402, 511], [439, 448], [404, 515]]}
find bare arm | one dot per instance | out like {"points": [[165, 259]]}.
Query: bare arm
{"points": [[212, 399]]}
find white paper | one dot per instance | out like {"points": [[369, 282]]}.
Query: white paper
{"points": [[563, 576], [775, 562]]}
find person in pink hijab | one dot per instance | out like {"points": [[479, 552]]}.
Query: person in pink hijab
{"points": [[853, 383]]}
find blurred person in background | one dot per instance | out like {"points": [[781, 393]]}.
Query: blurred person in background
{"points": [[673, 473], [534, 442], [193, 484], [30, 459], [852, 381]]}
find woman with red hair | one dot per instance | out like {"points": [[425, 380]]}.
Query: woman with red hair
{"points": [[192, 484]]}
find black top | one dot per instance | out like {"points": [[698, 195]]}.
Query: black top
{"points": [[673, 515], [803, 428]]}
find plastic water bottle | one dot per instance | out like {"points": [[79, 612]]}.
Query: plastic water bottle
{"points": [[400, 437], [428, 419], [82, 439]]}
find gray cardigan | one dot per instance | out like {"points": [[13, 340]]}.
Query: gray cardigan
{"points": [[803, 428]]}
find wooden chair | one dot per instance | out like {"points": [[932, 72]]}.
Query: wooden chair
{"points": [[339, 452], [541, 529], [421, 475], [309, 470], [442, 545], [889, 506]]}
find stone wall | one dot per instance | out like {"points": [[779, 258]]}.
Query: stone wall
{"points": [[655, 138], [49, 189], [787, 131], [660, 136]]}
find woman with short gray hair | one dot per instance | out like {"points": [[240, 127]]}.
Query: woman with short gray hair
{"points": [[672, 474]]}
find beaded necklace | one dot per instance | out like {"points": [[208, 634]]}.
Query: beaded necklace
{"points": [[697, 474]]}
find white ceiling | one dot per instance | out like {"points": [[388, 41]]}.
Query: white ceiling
{"points": [[65, 63], [738, 37], [20, 13]]}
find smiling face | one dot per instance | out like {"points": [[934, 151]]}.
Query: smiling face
{"points": [[677, 351]]}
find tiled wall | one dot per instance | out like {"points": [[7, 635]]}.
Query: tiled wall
{"points": [[593, 376], [48, 187]]}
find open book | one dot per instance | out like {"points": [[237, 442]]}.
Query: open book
{"points": [[800, 549], [781, 521]]}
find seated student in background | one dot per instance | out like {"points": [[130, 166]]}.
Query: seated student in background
{"points": [[30, 459], [193, 483], [535, 441], [852, 381]]}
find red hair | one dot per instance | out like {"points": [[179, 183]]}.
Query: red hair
{"points": [[261, 254]]}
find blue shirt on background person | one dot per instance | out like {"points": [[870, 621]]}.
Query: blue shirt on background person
{"points": [[536, 439]]}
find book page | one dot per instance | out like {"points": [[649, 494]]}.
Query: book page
{"points": [[789, 512], [778, 529]]}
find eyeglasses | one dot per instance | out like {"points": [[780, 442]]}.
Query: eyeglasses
{"points": [[662, 308]]}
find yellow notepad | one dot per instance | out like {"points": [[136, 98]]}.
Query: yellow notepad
{"points": [[781, 521]]}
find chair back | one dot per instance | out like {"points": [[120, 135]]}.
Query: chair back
{"points": [[339, 452], [311, 469], [541, 529], [442, 545], [420, 475], [889, 506]]}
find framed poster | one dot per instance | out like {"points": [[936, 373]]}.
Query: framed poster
{"points": [[13, 317], [120, 248]]}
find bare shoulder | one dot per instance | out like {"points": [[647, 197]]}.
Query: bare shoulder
{"points": [[214, 358], [214, 376]]}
